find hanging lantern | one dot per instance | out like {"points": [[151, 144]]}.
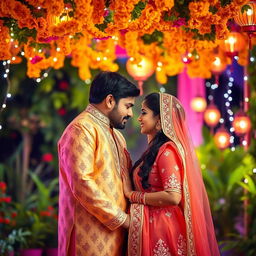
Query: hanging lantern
{"points": [[222, 138], [218, 66], [233, 44], [198, 104], [140, 71], [246, 18], [241, 123], [212, 115]]}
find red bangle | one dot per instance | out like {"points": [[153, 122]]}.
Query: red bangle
{"points": [[138, 197]]}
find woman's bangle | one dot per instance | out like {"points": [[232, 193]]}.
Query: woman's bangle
{"points": [[138, 197]]}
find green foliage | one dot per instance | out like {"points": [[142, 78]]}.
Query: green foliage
{"points": [[107, 19], [35, 224], [252, 102], [13, 241], [138, 8], [156, 36], [222, 172], [20, 34], [46, 193], [241, 244]]}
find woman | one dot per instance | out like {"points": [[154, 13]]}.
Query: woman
{"points": [[170, 213]]}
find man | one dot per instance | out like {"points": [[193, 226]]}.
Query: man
{"points": [[92, 158]]}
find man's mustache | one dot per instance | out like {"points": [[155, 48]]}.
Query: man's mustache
{"points": [[126, 117]]}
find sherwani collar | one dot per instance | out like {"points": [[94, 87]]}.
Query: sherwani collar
{"points": [[99, 115]]}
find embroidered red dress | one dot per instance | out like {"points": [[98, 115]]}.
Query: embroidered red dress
{"points": [[186, 229], [164, 229]]}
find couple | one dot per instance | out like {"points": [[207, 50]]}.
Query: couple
{"points": [[168, 211]]}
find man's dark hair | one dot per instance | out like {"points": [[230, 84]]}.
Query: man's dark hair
{"points": [[106, 83]]}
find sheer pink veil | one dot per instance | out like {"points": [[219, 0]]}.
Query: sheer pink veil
{"points": [[201, 239]]}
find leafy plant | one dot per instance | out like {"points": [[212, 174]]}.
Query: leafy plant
{"points": [[239, 243], [222, 173], [35, 224], [15, 239]]}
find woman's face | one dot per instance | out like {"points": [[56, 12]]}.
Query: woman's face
{"points": [[148, 122]]}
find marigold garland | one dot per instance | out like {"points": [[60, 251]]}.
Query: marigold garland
{"points": [[163, 30]]}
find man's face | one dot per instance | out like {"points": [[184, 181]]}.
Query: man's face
{"points": [[121, 112]]}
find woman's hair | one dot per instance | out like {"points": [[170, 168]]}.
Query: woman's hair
{"points": [[148, 158]]}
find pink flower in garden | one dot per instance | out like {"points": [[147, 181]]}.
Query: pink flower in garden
{"points": [[14, 214], [7, 199], [7, 221], [63, 85], [47, 157], [3, 186], [179, 22], [45, 213], [62, 111], [36, 59]]}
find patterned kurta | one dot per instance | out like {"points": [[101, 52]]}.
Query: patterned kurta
{"points": [[91, 202]]}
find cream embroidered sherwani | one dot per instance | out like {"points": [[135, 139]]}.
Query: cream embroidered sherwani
{"points": [[91, 203]]}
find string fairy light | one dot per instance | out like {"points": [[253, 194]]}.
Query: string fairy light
{"points": [[6, 65], [228, 101]]}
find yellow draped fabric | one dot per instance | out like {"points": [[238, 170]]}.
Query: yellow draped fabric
{"points": [[92, 205]]}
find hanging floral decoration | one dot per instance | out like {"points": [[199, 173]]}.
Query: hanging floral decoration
{"points": [[46, 32]]}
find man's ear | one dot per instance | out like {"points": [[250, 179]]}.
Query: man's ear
{"points": [[110, 101]]}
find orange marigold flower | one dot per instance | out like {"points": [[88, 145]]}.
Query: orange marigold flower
{"points": [[55, 7], [19, 11], [164, 5], [221, 31], [198, 9], [240, 2], [98, 11]]}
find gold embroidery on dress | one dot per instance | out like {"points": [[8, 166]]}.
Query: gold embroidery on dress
{"points": [[161, 249], [182, 246], [173, 183], [96, 113], [135, 230], [120, 218], [167, 153], [166, 119], [98, 117]]}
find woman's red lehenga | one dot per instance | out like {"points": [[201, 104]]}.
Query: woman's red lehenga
{"points": [[186, 229]]}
